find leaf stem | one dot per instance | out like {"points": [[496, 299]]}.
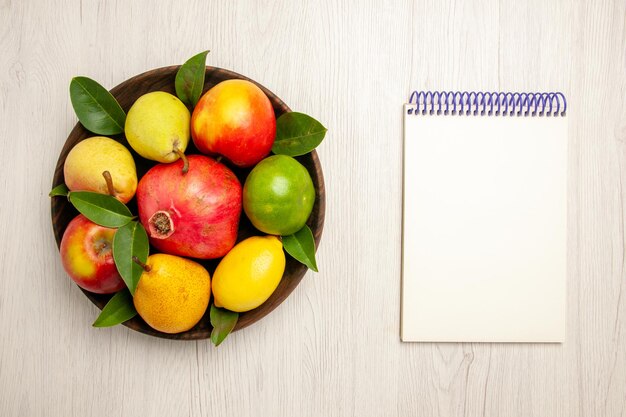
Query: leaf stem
{"points": [[182, 156], [109, 180], [145, 267]]}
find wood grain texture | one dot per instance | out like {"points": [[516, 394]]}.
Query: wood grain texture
{"points": [[332, 348]]}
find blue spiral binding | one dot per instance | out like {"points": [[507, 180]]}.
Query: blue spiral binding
{"points": [[487, 103]]}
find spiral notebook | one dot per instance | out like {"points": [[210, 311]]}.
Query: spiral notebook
{"points": [[484, 219]]}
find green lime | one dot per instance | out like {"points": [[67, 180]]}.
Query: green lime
{"points": [[278, 195]]}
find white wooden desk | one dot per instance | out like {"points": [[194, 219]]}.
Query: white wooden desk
{"points": [[332, 349]]}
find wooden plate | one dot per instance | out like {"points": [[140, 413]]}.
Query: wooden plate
{"points": [[162, 79]]}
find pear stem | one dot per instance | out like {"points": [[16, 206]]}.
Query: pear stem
{"points": [[145, 267], [109, 180], [182, 156]]}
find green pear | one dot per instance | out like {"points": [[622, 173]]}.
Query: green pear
{"points": [[157, 127]]}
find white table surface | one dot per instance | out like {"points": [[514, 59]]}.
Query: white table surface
{"points": [[333, 348]]}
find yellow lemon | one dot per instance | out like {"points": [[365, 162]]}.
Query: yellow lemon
{"points": [[173, 293], [248, 274]]}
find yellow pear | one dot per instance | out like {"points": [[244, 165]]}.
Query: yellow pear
{"points": [[101, 165], [173, 293], [157, 127]]}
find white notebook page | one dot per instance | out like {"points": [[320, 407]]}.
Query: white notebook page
{"points": [[484, 228]]}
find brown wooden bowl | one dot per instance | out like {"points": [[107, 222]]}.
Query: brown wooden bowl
{"points": [[162, 79]]}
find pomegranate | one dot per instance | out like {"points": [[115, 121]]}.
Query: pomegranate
{"points": [[193, 214]]}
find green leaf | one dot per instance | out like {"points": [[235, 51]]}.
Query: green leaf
{"points": [[95, 107], [301, 246], [297, 134], [119, 309], [131, 240], [189, 80], [59, 190], [101, 209], [223, 322]]}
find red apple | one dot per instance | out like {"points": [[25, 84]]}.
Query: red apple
{"points": [[234, 119], [194, 214], [86, 256]]}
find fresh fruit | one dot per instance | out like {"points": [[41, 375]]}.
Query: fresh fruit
{"points": [[101, 165], [234, 119], [173, 293], [87, 258], [157, 127], [247, 276], [278, 195], [194, 214]]}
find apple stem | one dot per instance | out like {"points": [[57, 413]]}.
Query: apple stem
{"points": [[182, 156], [219, 158], [109, 180], [145, 267]]}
